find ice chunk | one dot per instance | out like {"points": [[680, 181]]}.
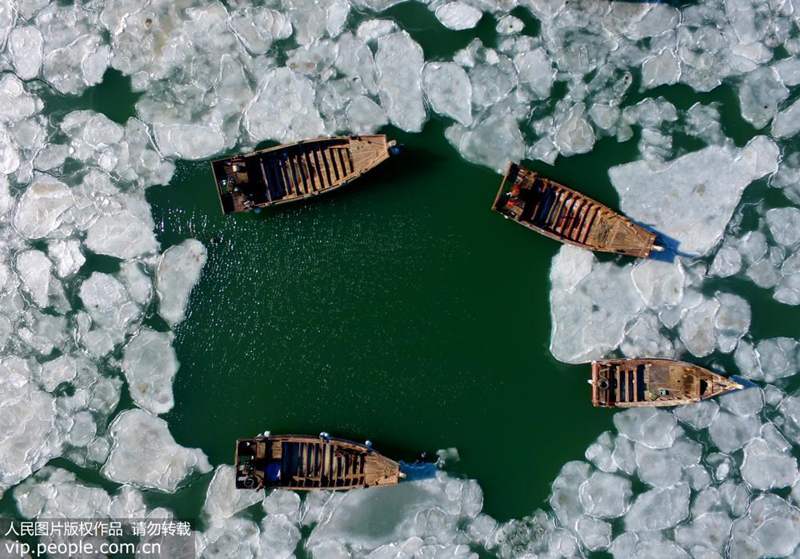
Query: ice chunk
{"points": [[699, 415], [283, 109], [790, 411], [605, 495], [727, 262], [659, 283], [222, 500], [258, 26], [589, 314], [788, 291], [178, 272], [399, 60], [145, 455], [56, 493], [83, 429], [659, 509], [494, 141], [575, 134], [766, 467], [662, 69], [535, 71], [565, 498], [730, 432], [372, 29], [279, 536], [770, 529], [777, 357], [697, 328], [25, 46], [709, 530], [595, 534], [76, 55], [34, 269], [365, 115], [59, 370], [644, 337], [787, 123], [648, 426], [7, 17], [743, 402], [599, 453], [188, 141], [150, 364], [784, 225], [760, 94], [9, 155], [430, 510], [137, 283], [108, 302], [692, 198], [509, 25], [283, 502], [41, 207], [658, 468], [31, 437], [448, 90], [458, 15], [123, 235], [732, 321], [67, 256]]}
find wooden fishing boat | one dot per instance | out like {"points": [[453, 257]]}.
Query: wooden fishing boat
{"points": [[568, 216], [292, 172], [641, 383], [306, 462]]}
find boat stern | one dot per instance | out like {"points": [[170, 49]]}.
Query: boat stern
{"points": [[248, 463], [602, 385], [231, 178]]}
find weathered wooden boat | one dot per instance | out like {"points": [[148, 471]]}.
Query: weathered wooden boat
{"points": [[292, 172], [634, 383], [307, 462], [566, 215]]}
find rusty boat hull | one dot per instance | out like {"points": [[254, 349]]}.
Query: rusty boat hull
{"points": [[307, 462], [563, 214], [294, 172], [635, 383]]}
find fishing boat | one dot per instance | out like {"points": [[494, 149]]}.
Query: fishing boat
{"points": [[292, 172], [307, 462], [643, 383], [566, 215]]}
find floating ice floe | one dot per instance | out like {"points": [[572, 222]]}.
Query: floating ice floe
{"points": [[221, 501], [149, 364], [177, 273], [399, 61], [692, 198], [31, 438], [458, 15], [144, 454], [41, 207]]}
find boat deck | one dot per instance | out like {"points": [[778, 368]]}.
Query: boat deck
{"points": [[654, 382], [295, 171], [304, 462], [566, 215]]}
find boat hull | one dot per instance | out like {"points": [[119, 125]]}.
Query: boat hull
{"points": [[639, 383], [306, 462], [293, 172], [563, 214]]}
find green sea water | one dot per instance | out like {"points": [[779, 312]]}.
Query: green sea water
{"points": [[400, 309]]}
